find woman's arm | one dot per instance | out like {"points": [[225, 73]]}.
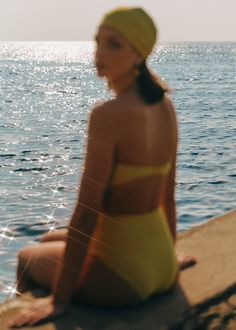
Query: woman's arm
{"points": [[94, 182], [80, 230], [168, 199]]}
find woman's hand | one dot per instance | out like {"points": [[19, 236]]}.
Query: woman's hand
{"points": [[185, 260], [40, 309]]}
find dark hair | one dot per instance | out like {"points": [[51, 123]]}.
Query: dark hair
{"points": [[150, 87]]}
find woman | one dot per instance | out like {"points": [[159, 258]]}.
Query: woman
{"points": [[119, 248]]}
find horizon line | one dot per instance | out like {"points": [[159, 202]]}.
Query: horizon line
{"points": [[2, 41]]}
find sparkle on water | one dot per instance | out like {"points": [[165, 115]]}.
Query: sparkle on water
{"points": [[48, 51], [6, 233]]}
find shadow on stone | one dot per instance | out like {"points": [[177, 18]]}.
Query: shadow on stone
{"points": [[157, 313]]}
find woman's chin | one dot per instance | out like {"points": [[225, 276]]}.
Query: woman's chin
{"points": [[101, 74]]}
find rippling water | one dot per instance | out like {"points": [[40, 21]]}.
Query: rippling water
{"points": [[46, 91]]}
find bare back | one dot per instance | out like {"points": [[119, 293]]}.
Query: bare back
{"points": [[141, 134]]}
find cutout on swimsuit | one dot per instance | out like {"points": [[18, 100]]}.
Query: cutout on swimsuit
{"points": [[126, 172]]}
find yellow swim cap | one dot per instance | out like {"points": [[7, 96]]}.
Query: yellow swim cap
{"points": [[136, 25]]}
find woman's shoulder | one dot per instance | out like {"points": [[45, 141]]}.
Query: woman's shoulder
{"points": [[111, 105], [166, 109], [166, 103], [111, 110], [104, 119]]}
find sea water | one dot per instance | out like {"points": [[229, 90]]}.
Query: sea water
{"points": [[46, 93]]}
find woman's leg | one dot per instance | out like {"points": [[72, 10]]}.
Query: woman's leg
{"points": [[58, 235], [39, 264], [185, 260], [27, 257]]}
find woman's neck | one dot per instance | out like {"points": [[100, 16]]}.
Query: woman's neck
{"points": [[123, 84]]}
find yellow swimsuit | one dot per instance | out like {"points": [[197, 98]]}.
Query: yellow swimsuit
{"points": [[138, 247]]}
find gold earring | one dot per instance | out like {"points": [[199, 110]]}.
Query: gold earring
{"points": [[136, 71]]}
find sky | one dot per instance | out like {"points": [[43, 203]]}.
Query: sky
{"points": [[62, 20]]}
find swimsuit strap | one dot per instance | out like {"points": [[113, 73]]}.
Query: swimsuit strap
{"points": [[127, 172]]}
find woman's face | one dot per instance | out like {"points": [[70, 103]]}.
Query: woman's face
{"points": [[114, 56]]}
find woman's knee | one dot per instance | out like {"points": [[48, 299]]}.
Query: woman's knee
{"points": [[45, 238], [59, 235]]}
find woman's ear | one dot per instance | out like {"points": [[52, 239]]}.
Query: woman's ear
{"points": [[139, 59]]}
